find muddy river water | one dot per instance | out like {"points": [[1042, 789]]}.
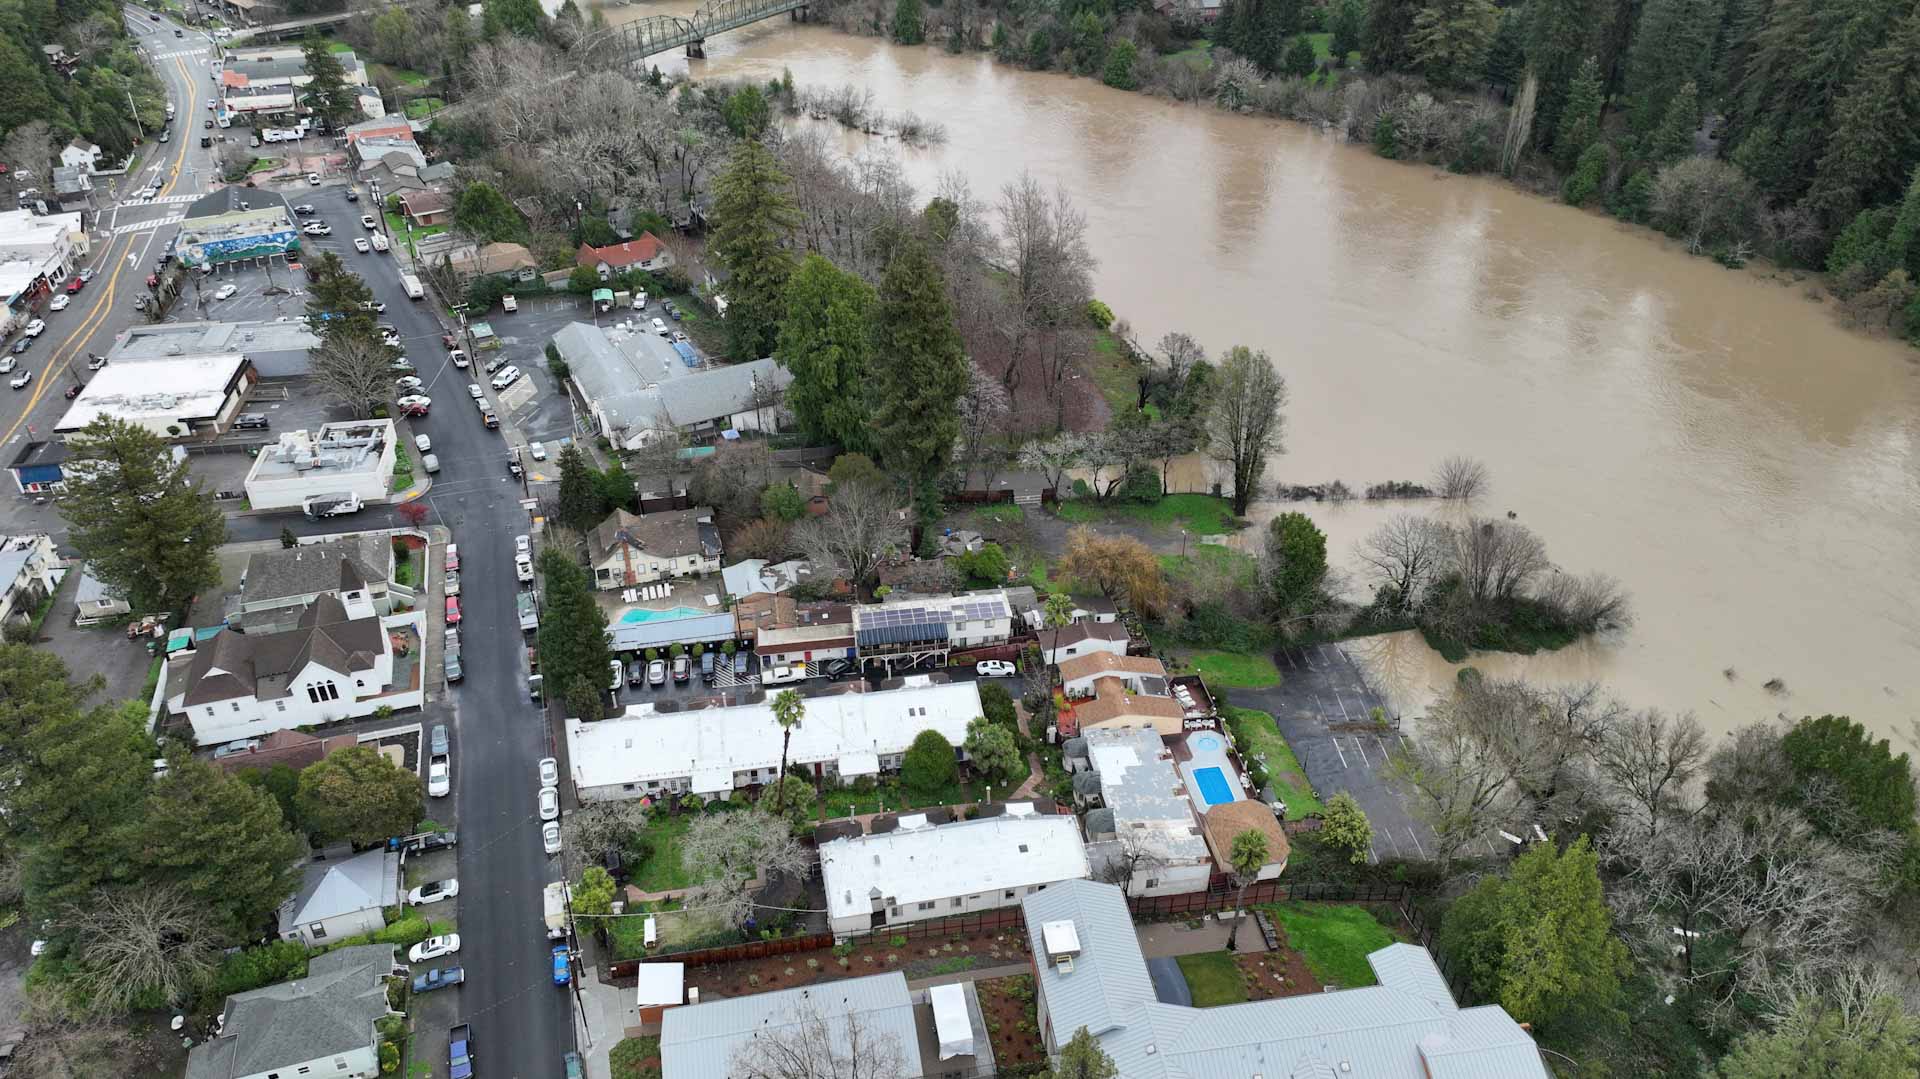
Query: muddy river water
{"points": [[1748, 468]]}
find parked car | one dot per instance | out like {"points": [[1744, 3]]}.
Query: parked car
{"points": [[475, 390], [373, 305], [76, 285], [390, 336], [433, 891], [450, 664], [225, 292], [994, 668], [59, 302], [682, 669], [430, 462], [380, 241], [35, 328], [549, 803], [451, 586], [20, 380], [402, 365], [246, 421], [780, 676], [352, 195], [550, 837], [439, 742], [22, 345], [549, 772], [431, 841], [409, 382], [637, 673], [360, 244], [423, 442], [317, 228], [562, 964], [73, 391], [304, 209], [523, 544], [459, 358], [367, 222], [453, 609], [537, 450], [439, 978], [660, 327], [613, 684], [439, 777], [657, 672], [506, 377], [434, 948], [570, 1067], [453, 558], [415, 400]]}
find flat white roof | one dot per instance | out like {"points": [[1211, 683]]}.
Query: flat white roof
{"points": [[24, 227], [918, 865], [1061, 937], [661, 983], [642, 746], [195, 386]]}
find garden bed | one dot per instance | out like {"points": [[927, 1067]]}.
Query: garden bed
{"points": [[917, 957], [1284, 973], [1013, 1023]]}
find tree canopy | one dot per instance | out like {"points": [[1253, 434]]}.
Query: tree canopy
{"points": [[140, 520], [357, 796]]}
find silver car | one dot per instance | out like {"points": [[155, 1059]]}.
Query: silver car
{"points": [[549, 803]]}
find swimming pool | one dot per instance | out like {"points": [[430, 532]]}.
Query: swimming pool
{"points": [[1206, 743], [643, 614], [1213, 786]]}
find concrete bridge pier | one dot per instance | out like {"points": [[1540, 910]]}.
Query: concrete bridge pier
{"points": [[697, 50], [798, 14]]}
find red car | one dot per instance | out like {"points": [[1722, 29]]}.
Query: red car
{"points": [[453, 610], [75, 285], [413, 410]]}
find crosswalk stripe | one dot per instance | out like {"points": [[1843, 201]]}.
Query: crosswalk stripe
{"points": [[142, 226]]}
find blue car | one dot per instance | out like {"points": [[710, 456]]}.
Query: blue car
{"points": [[439, 978], [562, 969]]}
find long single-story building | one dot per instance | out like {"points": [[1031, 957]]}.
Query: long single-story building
{"points": [[635, 384], [715, 751], [175, 399], [922, 871], [721, 1039]]}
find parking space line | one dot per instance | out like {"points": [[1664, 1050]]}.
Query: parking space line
{"points": [[1384, 755], [1342, 752], [1343, 707], [1416, 842]]}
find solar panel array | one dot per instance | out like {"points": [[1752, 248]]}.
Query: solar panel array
{"points": [[981, 609], [898, 616], [961, 610]]}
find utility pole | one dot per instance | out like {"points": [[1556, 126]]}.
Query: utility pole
{"points": [[137, 125]]}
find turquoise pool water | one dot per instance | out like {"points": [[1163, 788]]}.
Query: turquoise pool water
{"points": [[1213, 786], [642, 614]]}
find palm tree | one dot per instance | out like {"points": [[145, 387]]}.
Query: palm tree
{"points": [[788, 709], [1246, 856], [1056, 615]]}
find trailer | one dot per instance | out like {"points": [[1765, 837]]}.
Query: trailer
{"points": [[528, 604], [332, 505], [555, 900]]}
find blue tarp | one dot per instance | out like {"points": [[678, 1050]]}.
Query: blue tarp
{"points": [[686, 353]]}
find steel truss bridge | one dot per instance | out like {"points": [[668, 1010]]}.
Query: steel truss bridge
{"points": [[658, 33]]}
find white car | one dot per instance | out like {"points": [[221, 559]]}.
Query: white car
{"points": [[780, 676], [507, 376], [549, 803], [373, 305], [522, 544], [367, 222], [549, 772], [225, 291], [537, 450], [439, 779], [317, 228], [415, 401], [20, 380], [60, 302], [434, 948], [993, 668], [313, 178], [452, 588], [660, 327], [422, 443], [433, 891], [360, 244], [390, 336], [408, 382], [640, 301], [523, 568], [380, 242], [459, 358], [35, 328], [550, 837], [481, 404], [475, 390]]}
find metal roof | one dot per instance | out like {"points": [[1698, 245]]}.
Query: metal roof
{"points": [[704, 1041]]}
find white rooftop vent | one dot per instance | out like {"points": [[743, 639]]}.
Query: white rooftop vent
{"points": [[1063, 943], [1020, 809]]}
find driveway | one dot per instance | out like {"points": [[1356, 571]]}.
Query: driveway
{"points": [[1323, 707], [101, 649]]}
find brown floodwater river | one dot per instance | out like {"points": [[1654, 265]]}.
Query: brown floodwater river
{"points": [[1749, 469]]}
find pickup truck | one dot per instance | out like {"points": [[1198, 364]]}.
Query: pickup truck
{"points": [[523, 568], [460, 1052], [529, 607], [509, 303]]}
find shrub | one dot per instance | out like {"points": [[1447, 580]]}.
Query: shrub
{"points": [[389, 1058], [1100, 313], [929, 763], [256, 967], [997, 705], [1588, 174]]}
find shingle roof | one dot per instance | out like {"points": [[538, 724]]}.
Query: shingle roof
{"points": [[719, 392], [236, 665], [1227, 820], [1077, 667], [1084, 631], [330, 1011], [643, 248], [315, 567], [701, 1041], [663, 534]]}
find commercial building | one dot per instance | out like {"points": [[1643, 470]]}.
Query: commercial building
{"points": [[213, 235], [332, 666], [721, 1039], [37, 252], [37, 468], [321, 1024], [921, 871], [921, 632], [718, 750], [352, 457], [174, 398], [268, 82], [663, 630], [812, 634], [635, 384], [1146, 835], [630, 549], [277, 349], [1090, 972]]}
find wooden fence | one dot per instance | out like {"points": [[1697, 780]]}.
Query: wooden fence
{"points": [[1268, 891], [991, 921]]}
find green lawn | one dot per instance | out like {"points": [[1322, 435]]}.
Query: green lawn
{"points": [[1201, 515], [339, 46], [1235, 670], [629, 1059], [1260, 738], [1213, 978], [1113, 372], [1334, 938], [401, 75], [1241, 566], [402, 470], [1199, 56], [664, 868], [1005, 513], [422, 107]]}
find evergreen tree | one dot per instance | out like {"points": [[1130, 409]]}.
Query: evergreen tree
{"points": [[357, 796], [1559, 43], [1588, 174], [1673, 139], [23, 88], [1672, 47], [224, 842], [1903, 238], [1452, 38], [1349, 18], [754, 220], [826, 341], [1296, 564], [1299, 60], [1507, 55], [747, 112], [920, 371], [1879, 1040], [908, 25], [143, 524], [928, 765], [1082, 1058], [327, 92], [1120, 60], [482, 211], [580, 507], [575, 652], [522, 18], [1580, 119], [1876, 130], [1386, 40]]}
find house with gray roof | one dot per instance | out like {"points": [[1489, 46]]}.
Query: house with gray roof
{"points": [[279, 585], [635, 384], [1091, 974], [628, 549], [871, 1018], [341, 897], [319, 1025]]}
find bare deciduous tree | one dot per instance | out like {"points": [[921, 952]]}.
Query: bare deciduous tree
{"points": [[983, 423], [862, 525], [1460, 477], [806, 1043], [726, 851], [1496, 560], [1405, 554], [1246, 423], [1044, 247], [141, 940], [1591, 602], [1646, 763], [355, 371], [599, 827], [1181, 353], [28, 152], [1128, 854]]}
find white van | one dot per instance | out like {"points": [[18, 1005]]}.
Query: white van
{"points": [[430, 462]]}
